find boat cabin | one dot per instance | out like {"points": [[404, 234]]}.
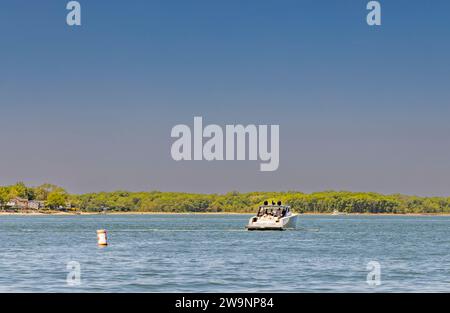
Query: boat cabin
{"points": [[275, 210]]}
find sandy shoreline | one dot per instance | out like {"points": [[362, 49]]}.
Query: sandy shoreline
{"points": [[118, 213], [204, 213]]}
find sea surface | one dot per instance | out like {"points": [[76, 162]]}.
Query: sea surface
{"points": [[214, 253]]}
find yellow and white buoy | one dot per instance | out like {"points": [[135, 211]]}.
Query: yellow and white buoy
{"points": [[102, 239]]}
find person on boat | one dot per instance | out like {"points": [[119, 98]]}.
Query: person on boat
{"points": [[278, 213]]}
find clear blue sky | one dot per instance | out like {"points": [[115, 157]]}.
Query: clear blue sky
{"points": [[360, 108]]}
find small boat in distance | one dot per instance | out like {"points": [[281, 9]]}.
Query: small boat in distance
{"points": [[273, 217], [336, 212]]}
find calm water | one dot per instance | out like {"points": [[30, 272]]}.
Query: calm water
{"points": [[194, 253]]}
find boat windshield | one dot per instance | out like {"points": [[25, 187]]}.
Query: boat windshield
{"points": [[275, 211]]}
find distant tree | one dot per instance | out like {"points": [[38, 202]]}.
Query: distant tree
{"points": [[42, 191], [22, 191], [56, 199], [4, 196]]}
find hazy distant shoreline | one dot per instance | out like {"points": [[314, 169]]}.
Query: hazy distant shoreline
{"points": [[205, 213], [48, 198]]}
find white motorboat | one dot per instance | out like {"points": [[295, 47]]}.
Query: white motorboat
{"points": [[273, 217], [336, 212]]}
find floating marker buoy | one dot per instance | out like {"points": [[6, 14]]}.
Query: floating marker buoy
{"points": [[101, 237]]}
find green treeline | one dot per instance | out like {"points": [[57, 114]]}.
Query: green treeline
{"points": [[54, 197]]}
